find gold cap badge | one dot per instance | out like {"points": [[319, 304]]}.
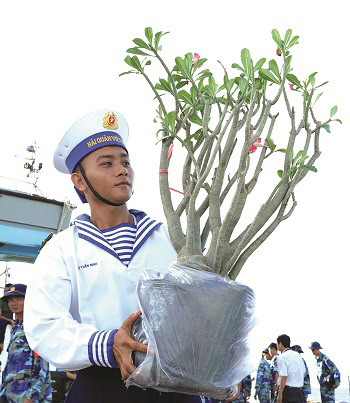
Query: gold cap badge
{"points": [[12, 289], [110, 121]]}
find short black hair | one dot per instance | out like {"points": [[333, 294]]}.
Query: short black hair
{"points": [[273, 345], [8, 285], [284, 339]]}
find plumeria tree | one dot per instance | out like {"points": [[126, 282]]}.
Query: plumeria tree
{"points": [[224, 124]]}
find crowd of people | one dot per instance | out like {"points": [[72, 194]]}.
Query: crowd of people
{"points": [[66, 320]]}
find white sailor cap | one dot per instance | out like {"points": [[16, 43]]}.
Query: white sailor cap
{"points": [[97, 129]]}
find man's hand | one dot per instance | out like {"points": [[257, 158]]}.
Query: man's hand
{"points": [[255, 395], [279, 397], [26, 400], [12, 322], [124, 345]]}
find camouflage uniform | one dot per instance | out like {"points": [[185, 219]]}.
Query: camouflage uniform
{"points": [[274, 370], [25, 375], [247, 386], [326, 367], [307, 385], [263, 382]]}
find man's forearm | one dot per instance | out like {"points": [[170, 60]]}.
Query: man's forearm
{"points": [[282, 384]]}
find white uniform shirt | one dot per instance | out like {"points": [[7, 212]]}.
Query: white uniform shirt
{"points": [[291, 365], [81, 292]]}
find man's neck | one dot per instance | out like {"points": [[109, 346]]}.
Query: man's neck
{"points": [[107, 216], [19, 316]]}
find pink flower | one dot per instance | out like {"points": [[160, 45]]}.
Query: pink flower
{"points": [[253, 147], [196, 57], [291, 86]]}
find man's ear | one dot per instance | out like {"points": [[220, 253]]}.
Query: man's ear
{"points": [[78, 181]]}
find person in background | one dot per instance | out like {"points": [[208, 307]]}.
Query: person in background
{"points": [[26, 377], [6, 317], [291, 370], [327, 374], [274, 369], [247, 387], [307, 385], [263, 379]]}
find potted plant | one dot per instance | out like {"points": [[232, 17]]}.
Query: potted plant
{"points": [[226, 129]]}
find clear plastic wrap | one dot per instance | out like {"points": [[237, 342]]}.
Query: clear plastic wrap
{"points": [[196, 325]]}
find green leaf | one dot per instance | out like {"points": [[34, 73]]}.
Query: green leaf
{"points": [[334, 110], [293, 79], [149, 34], [327, 128], [326, 82], [141, 43], [267, 75], [182, 67], [169, 121], [199, 63], [195, 119], [186, 97], [193, 92], [136, 64], [181, 84], [246, 61], [259, 64], [302, 159], [237, 66], [317, 98], [293, 42], [270, 143], [308, 168], [297, 157], [166, 85], [137, 51], [274, 68], [277, 38], [288, 63], [280, 173], [282, 150], [293, 171], [242, 84], [127, 72], [194, 135], [338, 120], [127, 60], [287, 36], [148, 62]]}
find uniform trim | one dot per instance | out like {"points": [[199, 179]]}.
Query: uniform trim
{"points": [[87, 231], [100, 349]]}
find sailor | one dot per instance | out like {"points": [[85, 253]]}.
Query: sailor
{"points": [[263, 379], [328, 374], [307, 385], [26, 377], [81, 305]]}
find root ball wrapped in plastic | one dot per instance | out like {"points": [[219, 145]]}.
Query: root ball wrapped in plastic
{"points": [[196, 325]]}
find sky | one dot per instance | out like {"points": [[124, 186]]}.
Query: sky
{"points": [[62, 60]]}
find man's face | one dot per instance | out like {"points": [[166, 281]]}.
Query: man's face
{"points": [[272, 351], [109, 171], [316, 352], [16, 304], [268, 356], [280, 346]]}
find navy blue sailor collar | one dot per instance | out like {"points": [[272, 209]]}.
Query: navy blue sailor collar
{"points": [[145, 226]]}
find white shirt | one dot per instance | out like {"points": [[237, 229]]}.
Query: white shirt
{"points": [[291, 365], [81, 293]]}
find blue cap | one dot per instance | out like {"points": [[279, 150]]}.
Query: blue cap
{"points": [[296, 347], [16, 290], [315, 346], [266, 351]]}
